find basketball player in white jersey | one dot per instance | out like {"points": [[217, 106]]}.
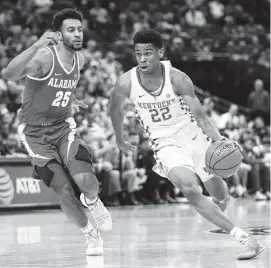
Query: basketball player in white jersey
{"points": [[51, 68], [179, 131]]}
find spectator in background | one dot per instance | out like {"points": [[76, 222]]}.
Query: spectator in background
{"points": [[131, 177], [229, 117], [216, 10], [142, 21], [259, 175], [195, 18], [151, 189], [112, 66], [259, 128], [93, 76], [90, 50], [258, 101], [132, 125], [240, 181], [208, 107], [107, 174], [14, 147]]}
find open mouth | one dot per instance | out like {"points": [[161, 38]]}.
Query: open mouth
{"points": [[144, 67]]}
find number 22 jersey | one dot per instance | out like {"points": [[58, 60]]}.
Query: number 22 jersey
{"points": [[161, 114], [47, 100]]}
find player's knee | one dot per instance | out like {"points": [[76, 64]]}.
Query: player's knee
{"points": [[88, 183], [191, 192], [182, 177], [52, 175], [185, 180]]}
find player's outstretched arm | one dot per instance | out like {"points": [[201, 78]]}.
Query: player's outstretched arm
{"points": [[121, 92], [185, 88], [32, 61]]}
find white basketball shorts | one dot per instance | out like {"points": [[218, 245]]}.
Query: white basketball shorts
{"points": [[185, 148]]}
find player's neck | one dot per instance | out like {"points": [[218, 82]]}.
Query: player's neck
{"points": [[64, 53]]}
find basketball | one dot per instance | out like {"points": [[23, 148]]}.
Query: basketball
{"points": [[223, 158]]}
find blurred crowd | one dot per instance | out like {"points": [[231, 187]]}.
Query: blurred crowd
{"points": [[193, 28]]}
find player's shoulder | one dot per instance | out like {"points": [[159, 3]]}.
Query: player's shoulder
{"points": [[178, 77], [123, 83], [44, 57], [177, 74], [41, 63], [44, 54]]}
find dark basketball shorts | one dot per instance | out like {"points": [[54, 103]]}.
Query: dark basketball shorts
{"points": [[57, 142]]}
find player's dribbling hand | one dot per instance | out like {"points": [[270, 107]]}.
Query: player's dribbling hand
{"points": [[76, 104], [236, 143], [46, 39], [126, 147]]}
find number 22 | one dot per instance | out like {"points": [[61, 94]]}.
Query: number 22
{"points": [[62, 98], [163, 115]]}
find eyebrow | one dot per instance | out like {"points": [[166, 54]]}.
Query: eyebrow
{"points": [[72, 27]]}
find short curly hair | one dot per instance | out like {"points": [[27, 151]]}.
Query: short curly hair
{"points": [[149, 36], [66, 13]]}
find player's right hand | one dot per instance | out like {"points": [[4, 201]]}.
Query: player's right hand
{"points": [[48, 38], [126, 147]]}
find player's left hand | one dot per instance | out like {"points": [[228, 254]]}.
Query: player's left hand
{"points": [[236, 143], [126, 147], [76, 104]]}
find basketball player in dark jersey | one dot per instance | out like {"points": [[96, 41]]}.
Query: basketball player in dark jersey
{"points": [[51, 67], [173, 118]]}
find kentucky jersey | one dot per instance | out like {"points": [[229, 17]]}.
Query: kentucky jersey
{"points": [[48, 100], [162, 114]]}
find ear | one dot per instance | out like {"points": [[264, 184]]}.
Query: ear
{"points": [[59, 34], [161, 53]]}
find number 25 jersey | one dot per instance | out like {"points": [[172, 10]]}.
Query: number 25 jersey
{"points": [[162, 114], [47, 100]]}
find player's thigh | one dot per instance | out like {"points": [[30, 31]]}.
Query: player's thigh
{"points": [[177, 163], [172, 156], [40, 151], [217, 188]]}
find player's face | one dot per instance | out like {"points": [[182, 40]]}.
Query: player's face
{"points": [[72, 34], [148, 57]]}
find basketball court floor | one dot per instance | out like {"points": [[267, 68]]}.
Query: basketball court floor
{"points": [[156, 236]]}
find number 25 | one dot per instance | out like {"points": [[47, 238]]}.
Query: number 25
{"points": [[62, 99]]}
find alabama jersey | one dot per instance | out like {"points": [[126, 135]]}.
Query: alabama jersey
{"points": [[162, 114], [47, 100]]}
